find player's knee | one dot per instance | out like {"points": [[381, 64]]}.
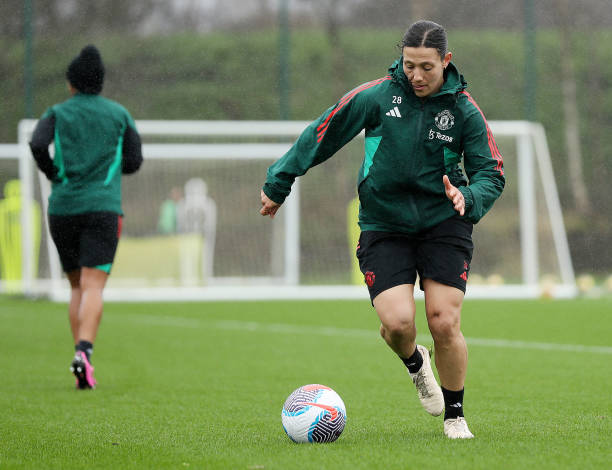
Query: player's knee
{"points": [[92, 278], [398, 328], [444, 326], [383, 331]]}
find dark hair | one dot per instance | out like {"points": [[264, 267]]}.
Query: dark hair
{"points": [[86, 71], [426, 34]]}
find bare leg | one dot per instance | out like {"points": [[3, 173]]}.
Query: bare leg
{"points": [[75, 302], [90, 310], [443, 307], [395, 308]]}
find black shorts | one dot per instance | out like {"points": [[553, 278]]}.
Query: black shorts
{"points": [[86, 240], [442, 253]]}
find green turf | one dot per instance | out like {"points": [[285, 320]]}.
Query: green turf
{"points": [[201, 385]]}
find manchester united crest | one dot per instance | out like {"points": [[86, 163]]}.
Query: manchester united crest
{"points": [[445, 120], [370, 277]]}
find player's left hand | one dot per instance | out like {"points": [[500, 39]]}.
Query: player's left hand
{"points": [[455, 196]]}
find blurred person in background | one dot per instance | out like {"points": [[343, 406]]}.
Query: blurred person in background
{"points": [[417, 205], [95, 141], [167, 222]]}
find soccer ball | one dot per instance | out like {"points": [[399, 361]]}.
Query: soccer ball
{"points": [[314, 413]]}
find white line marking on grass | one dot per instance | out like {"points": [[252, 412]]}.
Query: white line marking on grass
{"points": [[505, 343], [166, 320], [352, 332], [297, 329], [285, 328]]}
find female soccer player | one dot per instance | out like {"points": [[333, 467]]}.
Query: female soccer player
{"points": [[417, 205], [95, 141]]}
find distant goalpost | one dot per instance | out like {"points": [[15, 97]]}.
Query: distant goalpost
{"points": [[305, 252]]}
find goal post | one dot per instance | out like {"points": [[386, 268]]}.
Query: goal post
{"points": [[305, 252]]}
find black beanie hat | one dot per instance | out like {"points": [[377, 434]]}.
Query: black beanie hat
{"points": [[86, 71]]}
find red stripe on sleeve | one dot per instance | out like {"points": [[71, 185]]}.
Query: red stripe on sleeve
{"points": [[492, 144], [322, 128]]}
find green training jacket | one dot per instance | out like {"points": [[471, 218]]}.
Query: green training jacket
{"points": [[95, 141], [410, 143]]}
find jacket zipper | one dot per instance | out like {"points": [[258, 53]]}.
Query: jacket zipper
{"points": [[412, 162]]}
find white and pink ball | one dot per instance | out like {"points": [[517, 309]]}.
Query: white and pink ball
{"points": [[314, 413]]}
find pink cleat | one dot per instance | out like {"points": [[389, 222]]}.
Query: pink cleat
{"points": [[83, 371]]}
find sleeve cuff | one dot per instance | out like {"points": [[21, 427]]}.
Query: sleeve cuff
{"points": [[469, 198], [274, 194]]}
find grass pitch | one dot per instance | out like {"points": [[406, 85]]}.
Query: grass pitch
{"points": [[201, 385]]}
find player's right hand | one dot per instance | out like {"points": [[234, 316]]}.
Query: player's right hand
{"points": [[269, 207]]}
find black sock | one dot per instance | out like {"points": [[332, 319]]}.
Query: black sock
{"points": [[86, 347], [453, 403], [414, 362]]}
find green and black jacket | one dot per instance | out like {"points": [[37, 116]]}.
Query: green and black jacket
{"points": [[410, 143], [95, 141]]}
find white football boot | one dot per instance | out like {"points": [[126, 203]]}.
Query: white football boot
{"points": [[457, 428], [429, 391]]}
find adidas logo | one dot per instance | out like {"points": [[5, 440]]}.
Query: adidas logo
{"points": [[394, 112]]}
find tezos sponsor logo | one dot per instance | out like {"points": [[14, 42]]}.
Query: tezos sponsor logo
{"points": [[437, 135], [445, 120]]}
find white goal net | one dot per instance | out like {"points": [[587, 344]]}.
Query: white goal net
{"points": [[192, 229]]}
